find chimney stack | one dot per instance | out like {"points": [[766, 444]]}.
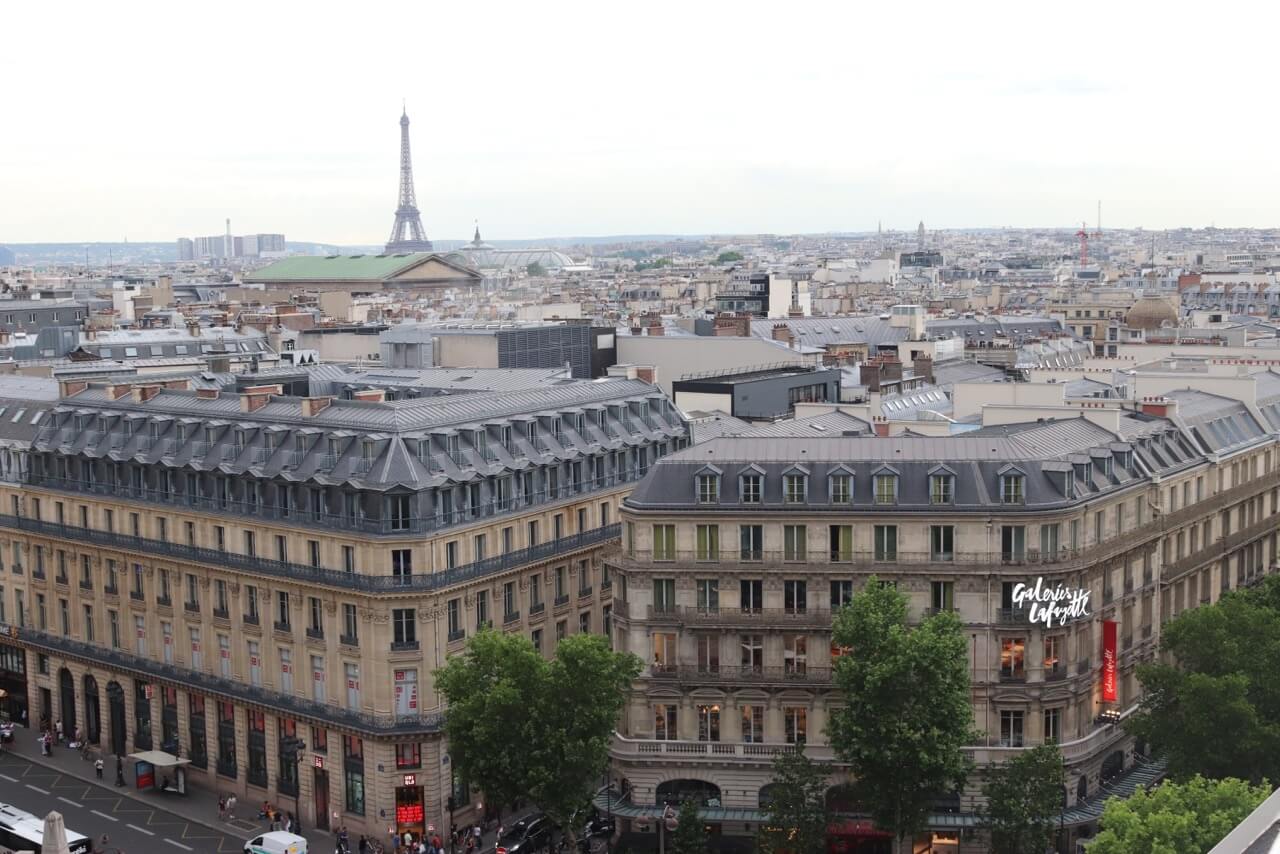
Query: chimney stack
{"points": [[370, 395], [312, 406]]}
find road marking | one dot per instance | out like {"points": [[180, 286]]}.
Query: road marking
{"points": [[38, 789], [10, 779], [141, 829], [104, 815], [180, 845], [69, 801]]}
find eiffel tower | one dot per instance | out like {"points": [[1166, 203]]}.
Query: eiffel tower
{"points": [[407, 234]]}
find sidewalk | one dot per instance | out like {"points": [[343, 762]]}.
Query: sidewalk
{"points": [[199, 805]]}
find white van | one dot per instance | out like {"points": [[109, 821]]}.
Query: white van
{"points": [[276, 842]]}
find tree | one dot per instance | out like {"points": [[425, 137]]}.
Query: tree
{"points": [[906, 715], [728, 257], [1176, 818], [797, 808], [1220, 679], [520, 726], [690, 836], [1024, 796], [536, 269]]}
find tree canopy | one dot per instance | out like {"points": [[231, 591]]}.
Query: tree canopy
{"points": [[797, 808], [1221, 679], [535, 269], [1024, 796], [906, 717], [690, 835], [520, 726], [1176, 818], [728, 257]]}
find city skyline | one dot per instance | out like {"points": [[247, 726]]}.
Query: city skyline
{"points": [[757, 125]]}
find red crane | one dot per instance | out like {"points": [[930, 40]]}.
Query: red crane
{"points": [[1083, 234]]}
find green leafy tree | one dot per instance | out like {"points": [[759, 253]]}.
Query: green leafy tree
{"points": [[1024, 796], [536, 269], [906, 716], [797, 809], [1176, 818], [690, 835], [1220, 678], [520, 726], [728, 257]]}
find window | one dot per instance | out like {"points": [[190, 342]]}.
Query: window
{"points": [[408, 755], [708, 653], [795, 720], [348, 559], [535, 637], [840, 543], [509, 610], [402, 563], [1049, 541], [841, 593], [1052, 725], [1011, 488], [353, 773], [351, 673], [708, 722], [226, 739], [482, 609], [751, 488], [942, 595], [88, 617], [453, 611], [664, 722], [1053, 645], [708, 595], [664, 542], [795, 655], [751, 595], [1012, 658], [795, 596], [942, 543], [708, 489], [664, 595], [794, 538], [255, 664], [886, 488], [1013, 542], [317, 678], [224, 656], [257, 742], [886, 542], [752, 653], [841, 489], [140, 634], [942, 489], [561, 584], [282, 610], [535, 593], [404, 628], [707, 538], [751, 541], [350, 633], [753, 724], [1010, 728], [197, 656], [561, 630], [794, 488], [193, 593]]}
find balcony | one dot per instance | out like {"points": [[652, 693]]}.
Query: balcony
{"points": [[728, 616], [1083, 666], [549, 550], [86, 584], [1014, 675], [191, 607], [137, 595], [315, 633], [348, 640], [250, 619], [221, 614], [282, 628], [1013, 616], [537, 608], [1056, 673], [457, 635], [696, 674], [111, 591], [510, 617], [584, 592], [408, 645], [164, 602]]}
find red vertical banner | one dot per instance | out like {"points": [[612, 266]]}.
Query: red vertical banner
{"points": [[1108, 661]]}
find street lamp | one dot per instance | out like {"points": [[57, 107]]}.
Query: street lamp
{"points": [[292, 747]]}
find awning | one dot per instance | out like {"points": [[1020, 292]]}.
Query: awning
{"points": [[159, 758]]}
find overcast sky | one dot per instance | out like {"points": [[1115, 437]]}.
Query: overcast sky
{"points": [[147, 122]]}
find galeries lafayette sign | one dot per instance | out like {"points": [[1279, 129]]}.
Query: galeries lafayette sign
{"points": [[1052, 605]]}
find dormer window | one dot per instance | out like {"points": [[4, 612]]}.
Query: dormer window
{"points": [[886, 488], [531, 431], [1012, 489], [841, 489], [942, 489], [1069, 483], [794, 488], [1105, 462], [708, 489], [751, 488]]}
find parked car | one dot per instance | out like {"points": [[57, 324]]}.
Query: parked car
{"points": [[527, 835], [6, 731]]}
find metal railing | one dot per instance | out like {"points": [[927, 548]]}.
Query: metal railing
{"points": [[331, 577], [185, 679], [741, 673], [748, 616]]}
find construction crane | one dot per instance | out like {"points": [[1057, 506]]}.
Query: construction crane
{"points": [[1083, 234]]}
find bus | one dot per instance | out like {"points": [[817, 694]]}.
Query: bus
{"points": [[22, 831]]}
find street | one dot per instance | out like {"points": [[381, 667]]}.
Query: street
{"points": [[90, 810]]}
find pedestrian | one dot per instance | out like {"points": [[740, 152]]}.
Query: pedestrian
{"points": [[363, 847], [97, 767], [231, 807], [222, 808], [58, 729], [119, 770]]}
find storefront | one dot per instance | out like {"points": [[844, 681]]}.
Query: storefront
{"points": [[410, 809], [13, 684]]}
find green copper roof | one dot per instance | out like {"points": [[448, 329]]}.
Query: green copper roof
{"points": [[355, 268]]}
